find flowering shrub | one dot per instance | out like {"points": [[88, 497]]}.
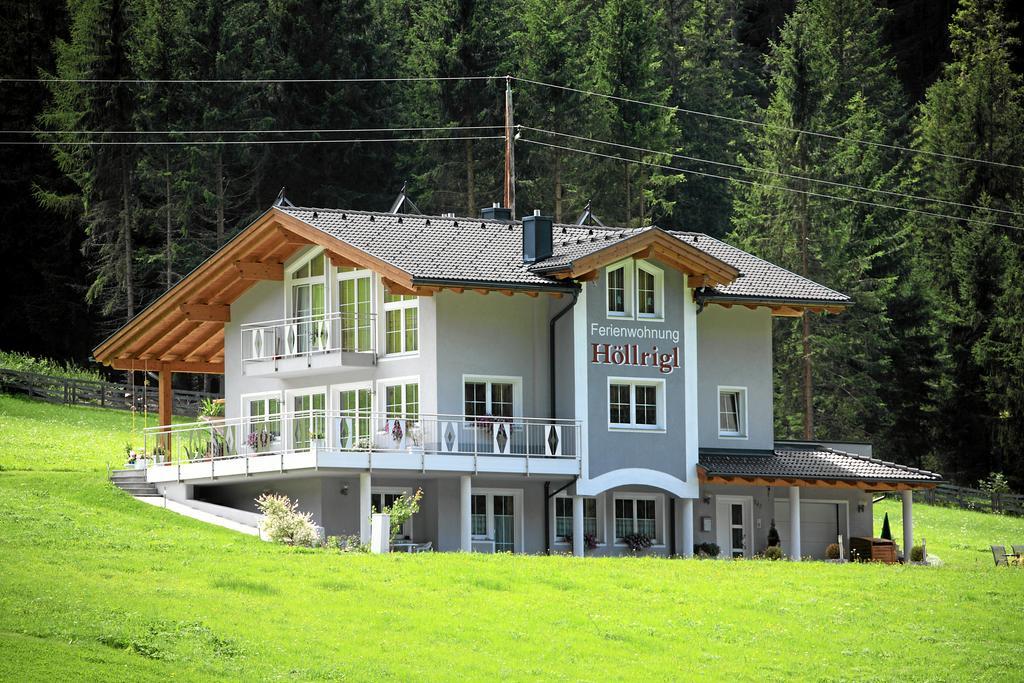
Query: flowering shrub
{"points": [[402, 509], [347, 544], [283, 523]]}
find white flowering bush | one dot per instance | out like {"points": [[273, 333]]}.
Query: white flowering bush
{"points": [[283, 523]]}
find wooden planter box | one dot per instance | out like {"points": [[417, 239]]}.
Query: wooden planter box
{"points": [[873, 549]]}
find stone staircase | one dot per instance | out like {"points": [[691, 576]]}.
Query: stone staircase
{"points": [[133, 482]]}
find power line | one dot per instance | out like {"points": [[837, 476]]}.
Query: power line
{"points": [[190, 143], [242, 131], [762, 124], [243, 81], [810, 193], [832, 183]]}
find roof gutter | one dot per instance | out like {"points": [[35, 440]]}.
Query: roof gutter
{"points": [[491, 284], [707, 297]]}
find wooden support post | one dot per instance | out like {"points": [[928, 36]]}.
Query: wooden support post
{"points": [[165, 405]]}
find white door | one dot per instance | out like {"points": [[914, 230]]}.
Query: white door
{"points": [[821, 523], [732, 521]]}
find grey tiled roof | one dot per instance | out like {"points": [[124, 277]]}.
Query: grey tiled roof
{"points": [[433, 248], [811, 463]]}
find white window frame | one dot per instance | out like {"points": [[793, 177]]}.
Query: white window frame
{"points": [[632, 426], [246, 399], [517, 514], [517, 391], [659, 292], [289, 410], [741, 415], [297, 262], [631, 294], [339, 277], [334, 403], [601, 542], [628, 298], [382, 391], [402, 306], [407, 528], [659, 515]]}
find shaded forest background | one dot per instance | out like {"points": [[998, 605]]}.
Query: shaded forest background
{"points": [[928, 364]]}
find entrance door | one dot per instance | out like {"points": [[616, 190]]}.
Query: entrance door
{"points": [[733, 523]]}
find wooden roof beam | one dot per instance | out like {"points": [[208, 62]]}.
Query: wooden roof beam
{"points": [[209, 368], [395, 288], [256, 270], [206, 312]]}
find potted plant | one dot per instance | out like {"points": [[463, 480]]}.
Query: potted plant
{"points": [[589, 540], [258, 441], [637, 542], [317, 440]]}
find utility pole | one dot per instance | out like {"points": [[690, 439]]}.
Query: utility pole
{"points": [[510, 153]]}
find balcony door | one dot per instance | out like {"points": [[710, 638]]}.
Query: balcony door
{"points": [[355, 405], [309, 423], [497, 515], [355, 308], [307, 302]]}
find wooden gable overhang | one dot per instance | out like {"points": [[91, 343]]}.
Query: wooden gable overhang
{"points": [[703, 269], [183, 330], [812, 482]]}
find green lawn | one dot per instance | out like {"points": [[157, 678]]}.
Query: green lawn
{"points": [[96, 586]]}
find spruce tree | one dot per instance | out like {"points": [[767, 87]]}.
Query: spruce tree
{"points": [[829, 72], [975, 110]]}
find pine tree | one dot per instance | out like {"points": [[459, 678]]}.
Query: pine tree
{"points": [[829, 72], [975, 110], [103, 176], [624, 57], [709, 70]]}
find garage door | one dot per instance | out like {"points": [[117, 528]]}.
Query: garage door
{"points": [[820, 525]]}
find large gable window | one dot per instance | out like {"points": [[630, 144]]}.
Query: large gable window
{"points": [[307, 302], [401, 323], [635, 290], [355, 308]]}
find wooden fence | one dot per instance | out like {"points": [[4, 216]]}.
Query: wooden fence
{"points": [[973, 499], [84, 392]]}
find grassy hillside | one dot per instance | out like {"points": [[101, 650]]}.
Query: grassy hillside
{"points": [[96, 586]]}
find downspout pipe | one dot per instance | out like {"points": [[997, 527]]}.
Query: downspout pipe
{"points": [[551, 385]]}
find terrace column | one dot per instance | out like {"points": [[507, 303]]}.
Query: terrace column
{"points": [[577, 526], [165, 405], [908, 523], [465, 514], [365, 507], [687, 526], [794, 523]]}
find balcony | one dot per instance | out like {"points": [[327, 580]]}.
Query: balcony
{"points": [[293, 347], [315, 440]]}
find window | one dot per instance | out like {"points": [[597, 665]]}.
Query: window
{"points": [[636, 515], [264, 413], [354, 307], [732, 409], [308, 305], [401, 323], [478, 515], [355, 407], [497, 397], [402, 401], [636, 404], [635, 289], [385, 498], [617, 291], [563, 517], [310, 423]]}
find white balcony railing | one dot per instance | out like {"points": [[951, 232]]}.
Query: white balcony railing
{"points": [[306, 336], [348, 432]]}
